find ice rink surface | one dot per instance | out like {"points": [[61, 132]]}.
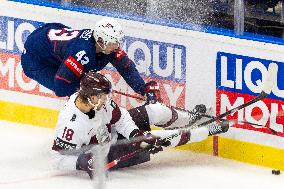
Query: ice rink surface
{"points": [[25, 164]]}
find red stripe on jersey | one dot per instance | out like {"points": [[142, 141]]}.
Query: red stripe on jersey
{"points": [[116, 114], [74, 66], [119, 54], [61, 78]]}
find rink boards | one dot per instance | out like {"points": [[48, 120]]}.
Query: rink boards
{"points": [[219, 70]]}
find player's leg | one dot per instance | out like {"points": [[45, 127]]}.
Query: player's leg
{"points": [[117, 151], [140, 117], [38, 71], [175, 138], [163, 116]]}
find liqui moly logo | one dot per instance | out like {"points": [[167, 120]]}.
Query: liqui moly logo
{"points": [[14, 32], [157, 59], [238, 80]]}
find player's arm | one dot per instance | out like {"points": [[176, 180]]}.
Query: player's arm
{"points": [[66, 140], [120, 118], [67, 78], [71, 135], [64, 159], [127, 69], [125, 125]]}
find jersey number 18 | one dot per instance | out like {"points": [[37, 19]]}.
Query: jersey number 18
{"points": [[67, 134]]}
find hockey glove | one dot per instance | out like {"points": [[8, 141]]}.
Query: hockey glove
{"points": [[149, 139], [85, 163], [152, 92], [196, 113]]}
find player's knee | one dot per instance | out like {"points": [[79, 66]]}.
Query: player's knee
{"points": [[140, 117], [158, 113]]}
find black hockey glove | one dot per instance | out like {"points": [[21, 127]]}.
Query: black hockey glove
{"points": [[85, 163], [155, 142], [152, 92], [200, 108], [196, 113]]}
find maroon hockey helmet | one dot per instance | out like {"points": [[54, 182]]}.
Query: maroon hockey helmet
{"points": [[93, 83]]}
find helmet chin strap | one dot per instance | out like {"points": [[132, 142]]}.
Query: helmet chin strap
{"points": [[103, 48], [94, 105]]}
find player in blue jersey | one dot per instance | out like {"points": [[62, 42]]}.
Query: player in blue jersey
{"points": [[56, 56]]}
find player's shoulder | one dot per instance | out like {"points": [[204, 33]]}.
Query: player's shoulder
{"points": [[83, 42], [111, 104], [74, 120], [70, 113]]}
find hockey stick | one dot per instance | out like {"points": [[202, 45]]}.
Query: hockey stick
{"points": [[146, 148], [128, 156], [267, 86], [233, 120], [129, 95], [244, 122], [188, 111]]}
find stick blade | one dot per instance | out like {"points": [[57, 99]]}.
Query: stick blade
{"points": [[271, 78]]}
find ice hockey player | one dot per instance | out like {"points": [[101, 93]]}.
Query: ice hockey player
{"points": [[91, 117], [56, 56]]}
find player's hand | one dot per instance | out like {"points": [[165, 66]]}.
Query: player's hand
{"points": [[152, 92], [155, 142], [85, 163]]}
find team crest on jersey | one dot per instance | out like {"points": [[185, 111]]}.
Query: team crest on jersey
{"points": [[73, 117], [87, 34]]}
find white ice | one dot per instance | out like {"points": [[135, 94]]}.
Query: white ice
{"points": [[24, 164]]}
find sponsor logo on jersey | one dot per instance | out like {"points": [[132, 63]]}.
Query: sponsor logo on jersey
{"points": [[63, 145], [238, 80], [74, 66]]}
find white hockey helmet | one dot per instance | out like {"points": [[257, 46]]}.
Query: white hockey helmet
{"points": [[108, 30]]}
